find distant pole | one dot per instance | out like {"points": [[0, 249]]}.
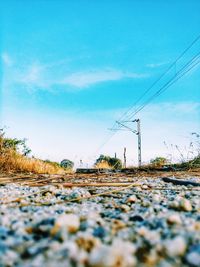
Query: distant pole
{"points": [[81, 163], [124, 157], [115, 155], [139, 143]]}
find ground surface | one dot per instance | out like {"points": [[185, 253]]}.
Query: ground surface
{"points": [[146, 223]]}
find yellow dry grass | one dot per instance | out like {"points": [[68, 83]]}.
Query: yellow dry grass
{"points": [[103, 165], [12, 161]]}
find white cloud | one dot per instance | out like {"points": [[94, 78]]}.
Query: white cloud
{"points": [[85, 79], [7, 59], [39, 75], [33, 76], [156, 65]]}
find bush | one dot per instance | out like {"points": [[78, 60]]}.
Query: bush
{"points": [[67, 164], [106, 162], [159, 161]]}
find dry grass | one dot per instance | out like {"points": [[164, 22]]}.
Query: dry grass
{"points": [[12, 161], [103, 165], [15, 162]]}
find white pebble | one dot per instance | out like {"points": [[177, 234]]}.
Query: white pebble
{"points": [[193, 258], [175, 247], [120, 254], [69, 221]]}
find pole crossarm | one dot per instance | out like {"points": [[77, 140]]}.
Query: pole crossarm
{"points": [[128, 128], [117, 129]]}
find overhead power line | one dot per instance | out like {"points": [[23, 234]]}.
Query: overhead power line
{"points": [[186, 68], [183, 71], [160, 77]]}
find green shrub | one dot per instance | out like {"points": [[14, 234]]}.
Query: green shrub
{"points": [[67, 164]]}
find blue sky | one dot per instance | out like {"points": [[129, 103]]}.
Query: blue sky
{"points": [[71, 68]]}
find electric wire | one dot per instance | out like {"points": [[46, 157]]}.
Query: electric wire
{"points": [[147, 90], [160, 77], [175, 78]]}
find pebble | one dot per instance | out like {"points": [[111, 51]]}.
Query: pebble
{"points": [[100, 232], [182, 204], [119, 254], [71, 222], [174, 219], [87, 242], [193, 258], [156, 198], [175, 247], [185, 205], [124, 208], [136, 218], [131, 199]]}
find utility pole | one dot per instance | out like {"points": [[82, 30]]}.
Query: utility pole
{"points": [[124, 157], [139, 142], [138, 133]]}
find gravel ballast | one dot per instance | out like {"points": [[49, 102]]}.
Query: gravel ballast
{"points": [[138, 226]]}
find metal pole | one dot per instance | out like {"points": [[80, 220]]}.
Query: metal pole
{"points": [[139, 143], [124, 157]]}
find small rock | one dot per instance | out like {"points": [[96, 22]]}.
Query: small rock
{"points": [[146, 203], [175, 247], [182, 204], [87, 242], [193, 259], [131, 199], [174, 219], [117, 225], [125, 208], [144, 187], [9, 258], [99, 232], [118, 254], [156, 198], [71, 222], [136, 218], [185, 205]]}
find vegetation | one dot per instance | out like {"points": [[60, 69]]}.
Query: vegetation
{"points": [[159, 162], [194, 163], [108, 162], [67, 164], [14, 158]]}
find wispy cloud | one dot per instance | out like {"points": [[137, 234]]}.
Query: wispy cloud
{"points": [[85, 79], [156, 65], [38, 75], [7, 60], [33, 75]]}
